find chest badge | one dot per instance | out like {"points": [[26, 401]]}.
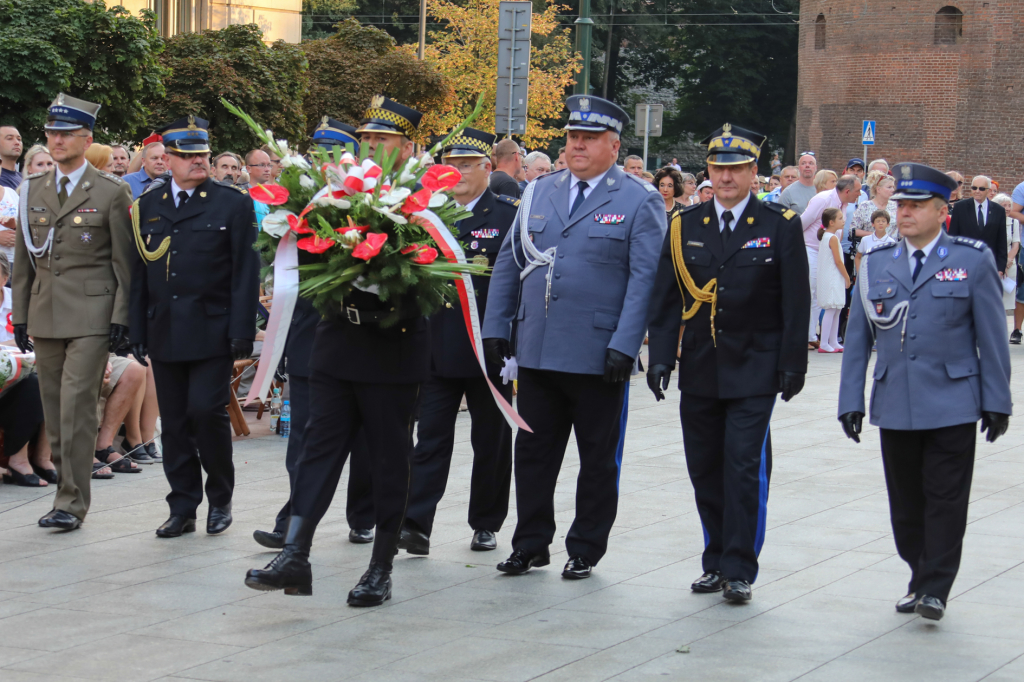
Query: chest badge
{"points": [[896, 254], [750, 221], [609, 218], [88, 210], [707, 220], [951, 275], [489, 233], [880, 307], [695, 243], [943, 252], [474, 245], [77, 220], [759, 243], [87, 237]]}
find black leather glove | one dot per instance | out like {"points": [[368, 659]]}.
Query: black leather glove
{"points": [[995, 423], [118, 333], [657, 380], [139, 353], [21, 338], [617, 366], [495, 352], [852, 422], [791, 383], [241, 349]]}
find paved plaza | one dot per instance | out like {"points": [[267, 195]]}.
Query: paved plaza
{"points": [[113, 602]]}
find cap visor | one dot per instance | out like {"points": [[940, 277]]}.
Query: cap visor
{"points": [[917, 196], [63, 125], [729, 159], [374, 127], [587, 126], [465, 153]]}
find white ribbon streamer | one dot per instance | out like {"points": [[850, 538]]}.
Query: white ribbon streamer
{"points": [[286, 292]]}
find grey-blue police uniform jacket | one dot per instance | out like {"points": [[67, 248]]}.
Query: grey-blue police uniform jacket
{"points": [[953, 362], [604, 268]]}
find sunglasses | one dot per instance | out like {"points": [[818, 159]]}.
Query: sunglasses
{"points": [[979, 189], [806, 154]]}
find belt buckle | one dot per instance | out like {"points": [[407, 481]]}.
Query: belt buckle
{"points": [[353, 315]]}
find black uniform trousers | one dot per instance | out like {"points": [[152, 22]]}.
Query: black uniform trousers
{"points": [[196, 431], [553, 404], [359, 508], [729, 457], [491, 437], [928, 474], [339, 409]]}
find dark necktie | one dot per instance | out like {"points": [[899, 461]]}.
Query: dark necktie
{"points": [[919, 255], [62, 195], [182, 198], [581, 185], [981, 217], [726, 230]]}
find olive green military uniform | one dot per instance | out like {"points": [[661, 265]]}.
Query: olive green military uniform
{"points": [[69, 300]]}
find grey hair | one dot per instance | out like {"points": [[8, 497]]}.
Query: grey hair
{"points": [[633, 157], [846, 182], [533, 156], [1003, 199], [879, 161]]}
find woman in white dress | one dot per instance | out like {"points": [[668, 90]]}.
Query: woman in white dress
{"points": [[833, 280]]}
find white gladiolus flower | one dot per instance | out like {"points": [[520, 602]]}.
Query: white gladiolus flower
{"points": [[438, 199], [297, 161], [396, 217], [396, 195], [306, 182], [328, 200], [276, 223]]}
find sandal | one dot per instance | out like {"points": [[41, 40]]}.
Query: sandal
{"points": [[96, 466], [48, 475], [137, 453], [24, 480], [119, 466]]}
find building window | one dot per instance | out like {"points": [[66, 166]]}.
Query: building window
{"points": [[949, 26], [819, 32]]}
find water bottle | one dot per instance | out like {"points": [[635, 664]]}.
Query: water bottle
{"points": [[275, 409], [284, 424]]}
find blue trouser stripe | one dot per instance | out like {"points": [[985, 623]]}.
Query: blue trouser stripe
{"points": [[622, 435], [762, 496]]}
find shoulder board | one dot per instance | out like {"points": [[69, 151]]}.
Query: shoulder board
{"points": [[967, 241], [110, 176], [883, 246], [157, 182], [687, 209], [780, 209], [37, 175], [646, 185], [228, 185], [508, 200]]}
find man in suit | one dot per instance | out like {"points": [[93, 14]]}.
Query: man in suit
{"points": [[981, 219], [578, 288], [454, 372], [376, 395], [193, 312], [933, 304], [329, 134], [735, 269], [71, 274]]}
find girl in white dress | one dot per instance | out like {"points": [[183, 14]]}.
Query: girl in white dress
{"points": [[833, 280]]}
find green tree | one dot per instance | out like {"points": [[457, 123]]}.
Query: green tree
{"points": [[398, 18], [358, 62], [267, 81], [82, 48]]}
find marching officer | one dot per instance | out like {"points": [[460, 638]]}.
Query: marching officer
{"points": [[735, 269], [375, 394], [193, 310], [71, 273], [576, 273], [454, 372], [934, 305], [330, 134]]}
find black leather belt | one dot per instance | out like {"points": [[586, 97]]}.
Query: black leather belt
{"points": [[367, 317]]}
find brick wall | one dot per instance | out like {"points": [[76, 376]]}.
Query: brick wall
{"points": [[955, 107]]}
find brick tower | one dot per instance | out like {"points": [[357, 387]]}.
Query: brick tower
{"points": [[944, 80]]}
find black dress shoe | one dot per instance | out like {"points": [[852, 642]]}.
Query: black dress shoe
{"points": [[414, 542], [270, 539], [737, 591], [290, 570], [60, 519], [176, 525], [374, 588], [577, 568], [483, 541], [907, 603], [360, 536], [218, 519], [520, 562], [930, 607], [712, 581]]}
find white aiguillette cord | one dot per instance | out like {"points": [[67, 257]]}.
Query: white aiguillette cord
{"points": [[535, 258], [36, 251], [896, 315]]}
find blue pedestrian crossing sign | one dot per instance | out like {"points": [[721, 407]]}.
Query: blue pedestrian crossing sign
{"points": [[869, 133]]}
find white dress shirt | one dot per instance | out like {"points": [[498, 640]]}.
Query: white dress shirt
{"points": [[737, 211], [591, 184], [984, 210], [73, 177], [175, 189], [927, 252]]}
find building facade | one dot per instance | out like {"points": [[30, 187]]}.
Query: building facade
{"points": [[279, 19], [943, 81]]}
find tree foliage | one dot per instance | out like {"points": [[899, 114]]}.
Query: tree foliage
{"points": [[269, 82], [358, 62], [84, 49], [466, 51]]}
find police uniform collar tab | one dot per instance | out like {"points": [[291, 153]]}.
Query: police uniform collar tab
{"points": [[388, 116], [917, 182], [187, 135], [731, 145], [332, 132], [595, 114], [68, 113], [470, 143]]}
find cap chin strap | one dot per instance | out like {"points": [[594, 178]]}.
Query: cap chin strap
{"points": [[35, 251]]}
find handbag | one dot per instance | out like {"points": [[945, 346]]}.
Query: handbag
{"points": [[15, 366]]}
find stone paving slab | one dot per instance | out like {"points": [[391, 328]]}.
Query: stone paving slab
{"points": [[113, 602]]}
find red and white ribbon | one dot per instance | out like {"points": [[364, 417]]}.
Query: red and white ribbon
{"points": [[449, 246], [286, 292]]}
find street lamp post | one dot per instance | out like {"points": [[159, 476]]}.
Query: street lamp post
{"points": [[584, 27]]}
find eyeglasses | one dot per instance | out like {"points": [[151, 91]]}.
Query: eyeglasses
{"points": [[260, 165], [61, 135], [806, 153], [979, 189]]}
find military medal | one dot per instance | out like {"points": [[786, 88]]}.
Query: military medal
{"points": [[474, 244], [87, 237], [952, 275], [77, 220]]}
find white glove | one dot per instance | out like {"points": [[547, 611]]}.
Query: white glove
{"points": [[510, 371]]}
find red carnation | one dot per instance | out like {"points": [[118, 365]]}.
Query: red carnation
{"points": [[417, 201], [272, 195], [315, 244], [370, 247], [425, 256], [440, 178]]}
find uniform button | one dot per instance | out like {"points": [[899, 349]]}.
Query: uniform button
{"points": [[57, 273], [60, 223], [59, 240], [565, 235], [558, 275], [913, 296], [175, 232], [554, 297], [561, 255], [175, 297], [721, 267], [721, 310], [174, 253], [57, 257], [721, 288], [174, 274], [913, 357], [914, 316], [913, 336]]}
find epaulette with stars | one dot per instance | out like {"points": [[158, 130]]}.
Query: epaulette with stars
{"points": [[786, 213], [882, 247], [158, 181], [647, 186], [110, 176], [37, 175], [230, 186], [508, 200], [967, 241]]}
